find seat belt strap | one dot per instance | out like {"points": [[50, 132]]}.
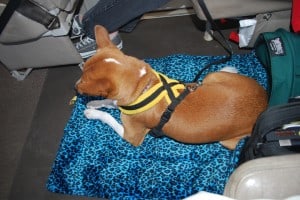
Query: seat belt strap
{"points": [[30, 10], [38, 14], [11, 6]]}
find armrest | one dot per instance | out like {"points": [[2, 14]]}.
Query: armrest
{"points": [[275, 177]]}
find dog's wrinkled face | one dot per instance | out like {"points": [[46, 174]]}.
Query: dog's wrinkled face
{"points": [[110, 73]]}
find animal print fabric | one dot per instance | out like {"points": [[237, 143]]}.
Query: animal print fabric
{"points": [[94, 161]]}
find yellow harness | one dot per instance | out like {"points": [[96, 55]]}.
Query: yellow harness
{"points": [[156, 93]]}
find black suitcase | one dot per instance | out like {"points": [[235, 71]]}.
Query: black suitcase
{"points": [[276, 132]]}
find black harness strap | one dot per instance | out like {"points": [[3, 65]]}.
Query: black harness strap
{"points": [[167, 88], [149, 99], [157, 131]]}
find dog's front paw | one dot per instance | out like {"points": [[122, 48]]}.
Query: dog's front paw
{"points": [[96, 104], [92, 114], [105, 118]]}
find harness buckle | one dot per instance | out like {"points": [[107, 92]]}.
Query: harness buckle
{"points": [[167, 115]]}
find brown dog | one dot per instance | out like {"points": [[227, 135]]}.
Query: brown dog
{"points": [[224, 108]]}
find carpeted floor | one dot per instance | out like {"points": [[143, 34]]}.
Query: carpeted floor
{"points": [[35, 111]]}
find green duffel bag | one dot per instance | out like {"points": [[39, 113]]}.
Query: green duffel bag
{"points": [[279, 52]]}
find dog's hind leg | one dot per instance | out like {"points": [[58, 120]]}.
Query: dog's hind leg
{"points": [[231, 143], [105, 118]]}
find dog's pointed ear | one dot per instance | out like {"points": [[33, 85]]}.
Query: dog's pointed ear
{"points": [[102, 37]]}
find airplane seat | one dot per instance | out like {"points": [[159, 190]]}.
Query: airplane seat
{"points": [[35, 34], [274, 177]]}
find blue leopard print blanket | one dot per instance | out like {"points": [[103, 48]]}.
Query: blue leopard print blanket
{"points": [[94, 161]]}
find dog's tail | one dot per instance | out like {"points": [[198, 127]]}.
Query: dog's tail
{"points": [[230, 69]]}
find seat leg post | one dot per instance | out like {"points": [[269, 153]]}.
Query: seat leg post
{"points": [[208, 32]]}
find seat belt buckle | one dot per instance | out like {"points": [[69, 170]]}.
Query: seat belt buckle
{"points": [[54, 23]]}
